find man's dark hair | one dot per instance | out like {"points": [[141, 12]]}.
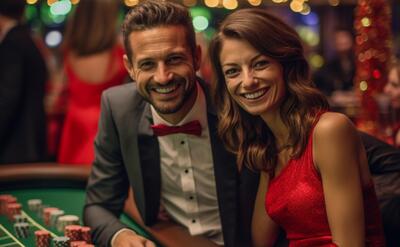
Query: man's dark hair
{"points": [[157, 13], [12, 8]]}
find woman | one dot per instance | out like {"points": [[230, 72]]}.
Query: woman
{"points": [[92, 63], [315, 181], [392, 89]]}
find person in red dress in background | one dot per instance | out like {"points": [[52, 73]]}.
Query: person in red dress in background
{"points": [[392, 89], [92, 63], [315, 181]]}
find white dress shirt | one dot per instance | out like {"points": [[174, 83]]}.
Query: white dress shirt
{"points": [[188, 189]]}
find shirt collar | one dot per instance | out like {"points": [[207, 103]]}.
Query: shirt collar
{"points": [[198, 111]]}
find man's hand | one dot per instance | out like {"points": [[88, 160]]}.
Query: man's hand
{"points": [[131, 239]]}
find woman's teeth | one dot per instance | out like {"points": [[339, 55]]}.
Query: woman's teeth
{"points": [[255, 94]]}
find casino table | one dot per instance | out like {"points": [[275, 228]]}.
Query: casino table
{"points": [[63, 186], [57, 186]]}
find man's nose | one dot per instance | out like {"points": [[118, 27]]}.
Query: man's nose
{"points": [[162, 74]]}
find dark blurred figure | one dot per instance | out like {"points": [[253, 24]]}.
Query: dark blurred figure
{"points": [[392, 90], [338, 73], [92, 63], [23, 75]]}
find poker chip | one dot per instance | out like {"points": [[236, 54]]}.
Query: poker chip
{"points": [[73, 232], [21, 230], [34, 204], [4, 200], [61, 242], [85, 234], [66, 220], [46, 214], [40, 210], [13, 209], [77, 243], [19, 218], [42, 238], [54, 215]]}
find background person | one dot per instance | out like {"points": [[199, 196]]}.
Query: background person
{"points": [[392, 89], [23, 75], [92, 63]]}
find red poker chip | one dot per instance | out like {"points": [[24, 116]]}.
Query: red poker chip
{"points": [[77, 243], [85, 231]]}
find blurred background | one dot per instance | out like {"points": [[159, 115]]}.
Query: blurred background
{"points": [[349, 45]]}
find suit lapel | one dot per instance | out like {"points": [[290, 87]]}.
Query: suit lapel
{"points": [[226, 177], [149, 154]]}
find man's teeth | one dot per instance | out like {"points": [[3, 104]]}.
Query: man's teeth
{"points": [[254, 95], [165, 89]]}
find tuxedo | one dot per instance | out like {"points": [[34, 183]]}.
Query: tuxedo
{"points": [[127, 153]]}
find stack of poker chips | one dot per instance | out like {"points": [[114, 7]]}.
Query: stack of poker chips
{"points": [[73, 232], [46, 214], [13, 209], [19, 218], [21, 229], [5, 199], [78, 233], [61, 242], [77, 243], [85, 234], [54, 215], [66, 220], [42, 238], [34, 204]]}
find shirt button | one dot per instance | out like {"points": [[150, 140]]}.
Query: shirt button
{"points": [[186, 171], [193, 221], [182, 142]]}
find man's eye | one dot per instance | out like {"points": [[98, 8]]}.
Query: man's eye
{"points": [[174, 60], [146, 65]]}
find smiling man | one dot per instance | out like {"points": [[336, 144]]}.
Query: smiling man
{"points": [[158, 137]]}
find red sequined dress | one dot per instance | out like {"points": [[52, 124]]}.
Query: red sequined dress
{"points": [[295, 201], [83, 111]]}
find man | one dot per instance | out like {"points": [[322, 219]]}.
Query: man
{"points": [[190, 177], [23, 75]]}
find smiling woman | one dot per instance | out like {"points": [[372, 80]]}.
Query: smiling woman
{"points": [[312, 162]]}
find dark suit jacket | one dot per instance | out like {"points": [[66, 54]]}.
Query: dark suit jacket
{"points": [[127, 152], [23, 75]]}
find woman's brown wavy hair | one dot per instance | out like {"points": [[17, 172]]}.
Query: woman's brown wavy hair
{"points": [[247, 135]]}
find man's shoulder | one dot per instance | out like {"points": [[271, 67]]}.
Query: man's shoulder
{"points": [[125, 95], [121, 92]]}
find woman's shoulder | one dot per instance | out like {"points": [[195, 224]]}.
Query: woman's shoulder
{"points": [[334, 129], [333, 123]]}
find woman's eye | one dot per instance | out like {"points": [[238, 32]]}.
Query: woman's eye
{"points": [[231, 72], [261, 64]]}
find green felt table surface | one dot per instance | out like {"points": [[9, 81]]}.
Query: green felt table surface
{"points": [[69, 200]]}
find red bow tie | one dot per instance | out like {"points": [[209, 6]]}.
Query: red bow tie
{"points": [[192, 128]]}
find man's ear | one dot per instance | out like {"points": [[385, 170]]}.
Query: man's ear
{"points": [[197, 58], [129, 67]]}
